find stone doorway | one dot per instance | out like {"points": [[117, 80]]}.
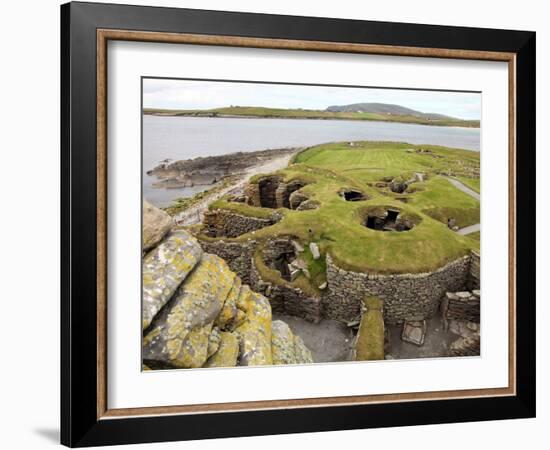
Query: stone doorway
{"points": [[388, 219], [352, 195]]}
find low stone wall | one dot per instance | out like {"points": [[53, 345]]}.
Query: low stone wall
{"points": [[238, 255], [406, 297], [462, 306], [223, 223], [286, 299], [473, 281]]}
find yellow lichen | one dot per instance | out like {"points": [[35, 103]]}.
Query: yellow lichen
{"points": [[255, 333], [227, 353]]}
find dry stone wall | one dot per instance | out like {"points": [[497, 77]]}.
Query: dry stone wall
{"points": [[406, 296], [464, 306], [286, 299], [473, 282], [238, 255], [223, 223], [272, 192]]}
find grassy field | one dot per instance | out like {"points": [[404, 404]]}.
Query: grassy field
{"points": [[475, 236], [338, 226], [472, 183], [261, 112]]}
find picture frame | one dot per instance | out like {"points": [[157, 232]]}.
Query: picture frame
{"points": [[86, 418]]}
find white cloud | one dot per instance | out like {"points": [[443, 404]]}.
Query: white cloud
{"points": [[188, 94]]}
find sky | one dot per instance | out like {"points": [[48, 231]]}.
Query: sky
{"points": [[187, 94]]}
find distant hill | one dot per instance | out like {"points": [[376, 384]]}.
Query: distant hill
{"points": [[379, 112], [387, 108]]}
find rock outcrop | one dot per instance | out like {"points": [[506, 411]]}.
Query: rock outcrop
{"points": [[210, 169], [198, 313], [286, 347], [164, 269], [156, 223]]}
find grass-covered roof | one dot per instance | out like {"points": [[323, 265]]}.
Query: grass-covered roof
{"points": [[338, 225]]}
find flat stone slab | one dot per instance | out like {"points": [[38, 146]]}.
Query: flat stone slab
{"points": [[414, 332], [314, 248]]}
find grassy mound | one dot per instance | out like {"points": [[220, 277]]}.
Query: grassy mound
{"points": [[368, 167]]}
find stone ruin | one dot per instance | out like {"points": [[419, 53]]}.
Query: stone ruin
{"points": [[282, 255], [463, 306], [272, 192], [388, 219], [461, 314], [224, 223], [352, 195]]}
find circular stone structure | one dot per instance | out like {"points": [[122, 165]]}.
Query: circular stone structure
{"points": [[389, 218]]}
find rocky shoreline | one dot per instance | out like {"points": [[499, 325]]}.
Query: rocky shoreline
{"points": [[205, 171]]}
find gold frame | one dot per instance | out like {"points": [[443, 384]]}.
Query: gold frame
{"points": [[103, 36]]}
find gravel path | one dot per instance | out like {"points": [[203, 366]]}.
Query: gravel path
{"points": [[457, 184], [195, 213], [470, 229]]}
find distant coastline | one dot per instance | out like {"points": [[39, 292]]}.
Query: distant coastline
{"points": [[244, 112]]}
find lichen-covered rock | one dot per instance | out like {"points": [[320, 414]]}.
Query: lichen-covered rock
{"points": [[303, 354], [287, 348], [227, 353], [229, 317], [180, 333], [198, 313], [255, 333], [213, 341], [156, 223], [164, 269], [282, 343]]}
